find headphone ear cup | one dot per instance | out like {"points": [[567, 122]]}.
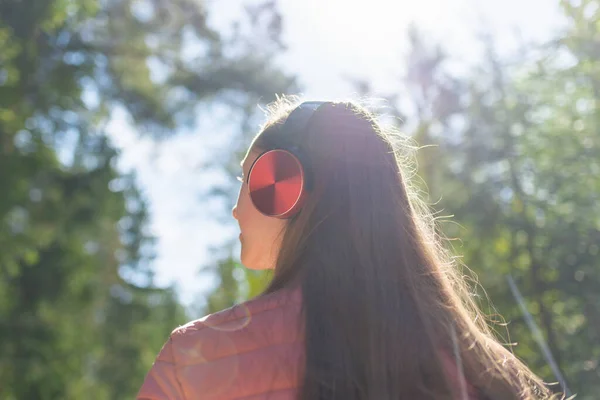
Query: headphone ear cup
{"points": [[277, 184]]}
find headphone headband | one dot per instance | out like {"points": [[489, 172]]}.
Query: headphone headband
{"points": [[277, 181], [297, 122]]}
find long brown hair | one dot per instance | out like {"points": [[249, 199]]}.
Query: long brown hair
{"points": [[383, 302]]}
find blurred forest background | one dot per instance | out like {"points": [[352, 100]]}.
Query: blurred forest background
{"points": [[515, 161]]}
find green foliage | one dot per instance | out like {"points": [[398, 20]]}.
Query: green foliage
{"points": [[235, 283], [80, 316], [515, 164]]}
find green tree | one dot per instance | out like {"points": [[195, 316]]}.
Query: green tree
{"points": [[80, 315], [515, 164]]}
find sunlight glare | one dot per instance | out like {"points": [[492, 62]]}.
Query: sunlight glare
{"points": [[365, 38]]}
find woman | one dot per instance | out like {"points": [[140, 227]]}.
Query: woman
{"points": [[364, 302]]}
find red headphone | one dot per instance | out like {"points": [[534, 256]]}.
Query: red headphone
{"points": [[278, 181]]}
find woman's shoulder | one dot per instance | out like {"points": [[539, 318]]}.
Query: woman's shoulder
{"points": [[263, 312], [252, 348]]}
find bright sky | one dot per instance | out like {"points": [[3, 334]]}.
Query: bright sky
{"points": [[329, 41]]}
